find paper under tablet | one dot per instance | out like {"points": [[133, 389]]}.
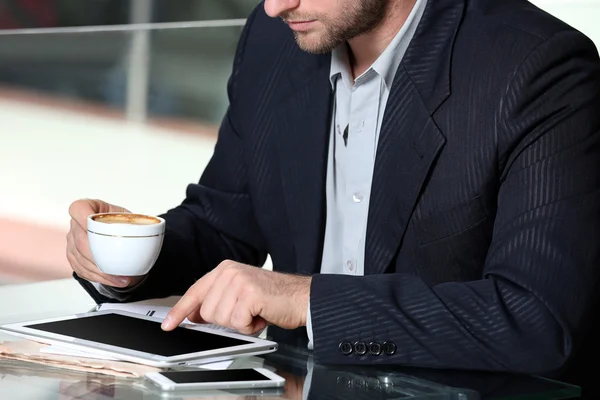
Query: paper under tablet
{"points": [[132, 337]]}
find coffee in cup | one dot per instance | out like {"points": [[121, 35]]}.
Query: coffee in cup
{"points": [[125, 218], [125, 244]]}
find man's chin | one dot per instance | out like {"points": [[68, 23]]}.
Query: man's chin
{"points": [[311, 43]]}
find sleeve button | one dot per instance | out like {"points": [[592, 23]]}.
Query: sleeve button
{"points": [[375, 348], [346, 348], [360, 348], [389, 348]]}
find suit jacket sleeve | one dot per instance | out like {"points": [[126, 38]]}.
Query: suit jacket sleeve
{"points": [[215, 222], [527, 312]]}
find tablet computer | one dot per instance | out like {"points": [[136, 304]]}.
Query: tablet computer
{"points": [[140, 339]]}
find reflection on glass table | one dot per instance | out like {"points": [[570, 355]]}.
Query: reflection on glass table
{"points": [[304, 380]]}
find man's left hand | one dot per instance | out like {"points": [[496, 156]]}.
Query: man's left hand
{"points": [[244, 298]]}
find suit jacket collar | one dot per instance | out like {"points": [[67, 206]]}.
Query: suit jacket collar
{"points": [[429, 57]]}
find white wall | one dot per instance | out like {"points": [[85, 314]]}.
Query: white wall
{"points": [[583, 15], [50, 157]]}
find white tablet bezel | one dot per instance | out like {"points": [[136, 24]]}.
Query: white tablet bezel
{"points": [[272, 381], [256, 347]]}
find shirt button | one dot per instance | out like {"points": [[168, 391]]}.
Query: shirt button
{"points": [[357, 197], [350, 265]]}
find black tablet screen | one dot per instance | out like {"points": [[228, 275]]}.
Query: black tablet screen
{"points": [[138, 334], [229, 375]]}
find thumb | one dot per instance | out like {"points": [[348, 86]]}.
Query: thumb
{"points": [[81, 209], [258, 324]]}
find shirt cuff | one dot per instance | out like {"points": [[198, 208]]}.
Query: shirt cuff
{"points": [[309, 331]]}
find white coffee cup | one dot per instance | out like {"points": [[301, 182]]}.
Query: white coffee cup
{"points": [[125, 244]]}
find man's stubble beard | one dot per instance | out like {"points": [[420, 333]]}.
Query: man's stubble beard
{"points": [[359, 20]]}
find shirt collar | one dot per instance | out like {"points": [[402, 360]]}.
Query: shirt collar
{"points": [[340, 64], [389, 61]]}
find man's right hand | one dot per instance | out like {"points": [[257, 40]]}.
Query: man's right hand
{"points": [[78, 248]]}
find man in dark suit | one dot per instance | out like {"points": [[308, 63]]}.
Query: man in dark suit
{"points": [[424, 174]]}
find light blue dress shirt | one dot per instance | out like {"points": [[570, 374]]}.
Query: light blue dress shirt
{"points": [[359, 106]]}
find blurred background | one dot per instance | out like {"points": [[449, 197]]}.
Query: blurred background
{"points": [[126, 115]]}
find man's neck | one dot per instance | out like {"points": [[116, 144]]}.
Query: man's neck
{"points": [[366, 49]]}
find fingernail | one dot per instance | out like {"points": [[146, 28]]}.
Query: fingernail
{"points": [[166, 325], [122, 281]]}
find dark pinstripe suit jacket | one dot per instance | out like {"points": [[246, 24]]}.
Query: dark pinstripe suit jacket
{"points": [[484, 223]]}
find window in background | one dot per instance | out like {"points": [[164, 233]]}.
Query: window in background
{"points": [[187, 69]]}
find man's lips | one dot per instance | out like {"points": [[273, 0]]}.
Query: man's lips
{"points": [[300, 26]]}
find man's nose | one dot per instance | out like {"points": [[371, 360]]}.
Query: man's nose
{"points": [[274, 8]]}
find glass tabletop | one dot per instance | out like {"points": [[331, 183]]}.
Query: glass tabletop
{"points": [[304, 380]]}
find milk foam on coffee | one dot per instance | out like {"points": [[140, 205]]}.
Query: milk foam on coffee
{"points": [[133, 219]]}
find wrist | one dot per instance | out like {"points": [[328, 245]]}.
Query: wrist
{"points": [[303, 298]]}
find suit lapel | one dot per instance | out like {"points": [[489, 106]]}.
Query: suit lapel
{"points": [[409, 140], [409, 143], [303, 143]]}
